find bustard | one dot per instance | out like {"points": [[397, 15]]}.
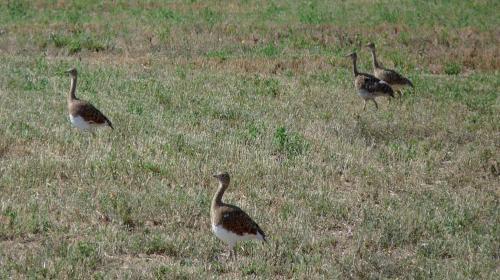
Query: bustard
{"points": [[82, 114], [229, 223], [393, 78], [368, 86]]}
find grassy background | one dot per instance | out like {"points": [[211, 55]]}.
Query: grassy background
{"points": [[260, 89]]}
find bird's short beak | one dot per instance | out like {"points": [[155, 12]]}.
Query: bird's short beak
{"points": [[347, 55], [214, 175]]}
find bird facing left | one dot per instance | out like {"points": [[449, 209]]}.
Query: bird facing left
{"points": [[82, 114]]}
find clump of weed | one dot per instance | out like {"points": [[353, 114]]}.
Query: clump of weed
{"points": [[452, 68], [270, 50], [167, 14], [85, 253], [266, 87], [76, 42], [311, 14], [17, 9], [210, 16], [252, 132], [135, 108], [220, 54], [161, 247], [290, 143]]}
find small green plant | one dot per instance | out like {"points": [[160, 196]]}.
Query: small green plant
{"points": [[267, 87], [309, 13], [158, 245], [290, 143], [220, 54], [452, 68], [135, 108], [273, 10], [75, 42], [210, 16], [167, 14], [270, 50], [17, 9]]}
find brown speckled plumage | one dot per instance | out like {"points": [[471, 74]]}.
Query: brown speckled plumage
{"points": [[369, 86], [229, 216], [390, 76], [229, 222], [83, 109]]}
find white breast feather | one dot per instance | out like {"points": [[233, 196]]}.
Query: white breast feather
{"points": [[231, 238], [82, 124], [79, 122], [365, 94]]}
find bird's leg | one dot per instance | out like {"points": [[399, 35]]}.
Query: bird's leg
{"points": [[364, 104], [234, 253], [376, 105]]}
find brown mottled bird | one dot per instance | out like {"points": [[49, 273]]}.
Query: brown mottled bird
{"points": [[82, 114], [368, 86], [393, 78], [229, 223]]}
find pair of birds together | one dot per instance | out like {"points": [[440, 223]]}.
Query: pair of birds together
{"points": [[383, 82], [229, 222]]}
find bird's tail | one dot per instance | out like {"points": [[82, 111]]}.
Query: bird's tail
{"points": [[264, 237], [109, 123], [409, 83]]}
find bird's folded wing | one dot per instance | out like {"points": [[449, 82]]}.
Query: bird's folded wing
{"points": [[91, 114], [240, 223]]}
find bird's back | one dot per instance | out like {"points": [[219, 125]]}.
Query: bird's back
{"points": [[88, 112], [391, 76], [233, 219], [372, 85]]}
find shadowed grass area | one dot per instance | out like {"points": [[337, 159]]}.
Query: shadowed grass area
{"points": [[260, 89]]}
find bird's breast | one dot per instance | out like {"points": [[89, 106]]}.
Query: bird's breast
{"points": [[79, 122]]}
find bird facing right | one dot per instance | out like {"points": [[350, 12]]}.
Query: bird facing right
{"points": [[229, 223]]}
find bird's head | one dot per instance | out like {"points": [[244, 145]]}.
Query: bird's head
{"points": [[352, 55], [223, 177], [370, 45], [72, 72]]}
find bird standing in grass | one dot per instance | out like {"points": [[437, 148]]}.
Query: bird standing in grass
{"points": [[229, 223], [393, 78], [368, 86], [82, 114]]}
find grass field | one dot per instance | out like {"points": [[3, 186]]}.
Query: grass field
{"points": [[261, 89]]}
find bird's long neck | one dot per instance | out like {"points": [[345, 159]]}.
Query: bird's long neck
{"points": [[374, 59], [217, 200], [72, 91], [354, 66]]}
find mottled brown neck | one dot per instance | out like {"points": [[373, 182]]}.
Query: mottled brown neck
{"points": [[217, 200], [72, 91], [354, 66], [374, 59]]}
